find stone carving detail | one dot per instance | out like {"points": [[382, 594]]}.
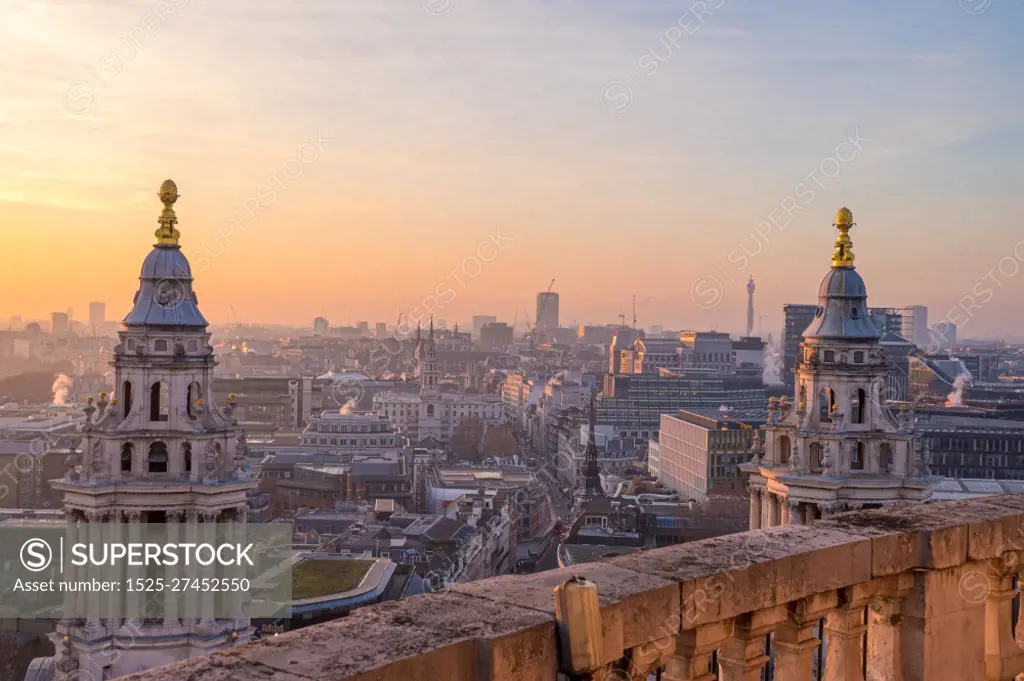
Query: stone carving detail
{"points": [[794, 456], [757, 447], [97, 460], [212, 458], [826, 459]]}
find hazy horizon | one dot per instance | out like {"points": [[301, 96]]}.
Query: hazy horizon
{"points": [[619, 149]]}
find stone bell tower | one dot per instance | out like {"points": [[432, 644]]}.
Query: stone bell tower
{"points": [[158, 452], [839, 448]]}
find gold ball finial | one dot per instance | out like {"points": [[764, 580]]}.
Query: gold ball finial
{"points": [[168, 192], [231, 398], [843, 255], [167, 234], [89, 399]]}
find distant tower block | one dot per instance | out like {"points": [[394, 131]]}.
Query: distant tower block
{"points": [[750, 307]]}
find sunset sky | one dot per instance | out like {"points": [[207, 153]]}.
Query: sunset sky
{"points": [[620, 147]]}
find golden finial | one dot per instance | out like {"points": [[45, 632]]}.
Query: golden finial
{"points": [[89, 399], [231, 398], [843, 255], [167, 233], [103, 396], [200, 402], [113, 400]]}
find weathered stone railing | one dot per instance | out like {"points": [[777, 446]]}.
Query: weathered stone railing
{"points": [[918, 593]]}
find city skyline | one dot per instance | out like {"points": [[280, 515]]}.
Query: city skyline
{"points": [[362, 202]]}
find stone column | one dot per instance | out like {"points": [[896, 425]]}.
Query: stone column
{"points": [[784, 511], [190, 613], [743, 656], [1003, 657], [70, 613], [943, 635], [94, 572], [134, 598], [755, 509], [795, 642], [208, 601], [172, 596], [235, 600], [884, 641], [693, 649], [776, 510], [844, 636], [795, 513]]}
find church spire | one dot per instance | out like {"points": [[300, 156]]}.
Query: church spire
{"points": [[591, 469], [843, 255], [167, 234], [431, 327]]}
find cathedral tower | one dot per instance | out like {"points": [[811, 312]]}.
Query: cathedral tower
{"points": [[838, 447], [158, 452]]}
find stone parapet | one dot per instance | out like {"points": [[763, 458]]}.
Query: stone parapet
{"points": [[916, 593]]}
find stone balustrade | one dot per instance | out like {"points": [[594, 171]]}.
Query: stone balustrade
{"points": [[908, 594]]}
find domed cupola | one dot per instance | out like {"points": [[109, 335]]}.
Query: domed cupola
{"points": [[165, 297], [842, 297]]}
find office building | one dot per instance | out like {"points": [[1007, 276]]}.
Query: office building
{"points": [[321, 327], [944, 335], [480, 320], [547, 311], [59, 323], [700, 450], [97, 314], [496, 336], [914, 324]]}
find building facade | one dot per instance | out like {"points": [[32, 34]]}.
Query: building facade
{"points": [[157, 453], [431, 417], [700, 450], [838, 446]]}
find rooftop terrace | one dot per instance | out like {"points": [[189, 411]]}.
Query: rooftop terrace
{"points": [[908, 594]]}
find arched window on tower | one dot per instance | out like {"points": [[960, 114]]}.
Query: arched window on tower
{"points": [[885, 458], [826, 400], [195, 392], [126, 457], [126, 397], [157, 459], [830, 356], [814, 453], [859, 405], [160, 346], [430, 410], [785, 448], [159, 401], [857, 458], [186, 455]]}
